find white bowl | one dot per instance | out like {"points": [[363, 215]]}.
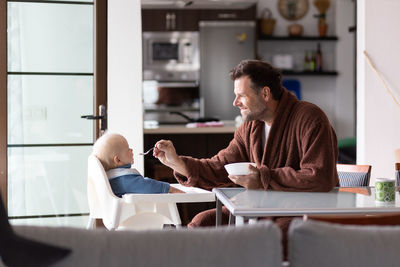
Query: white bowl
{"points": [[239, 168]]}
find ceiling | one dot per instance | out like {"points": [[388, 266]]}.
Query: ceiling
{"points": [[198, 4]]}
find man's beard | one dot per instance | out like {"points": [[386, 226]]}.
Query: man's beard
{"points": [[253, 115]]}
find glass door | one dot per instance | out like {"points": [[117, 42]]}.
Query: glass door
{"points": [[50, 84]]}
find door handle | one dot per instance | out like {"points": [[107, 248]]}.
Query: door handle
{"points": [[102, 117], [91, 117]]}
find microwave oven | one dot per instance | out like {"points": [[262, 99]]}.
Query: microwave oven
{"points": [[171, 56]]}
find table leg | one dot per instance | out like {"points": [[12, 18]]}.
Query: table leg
{"points": [[231, 219], [239, 220], [219, 213], [253, 220]]}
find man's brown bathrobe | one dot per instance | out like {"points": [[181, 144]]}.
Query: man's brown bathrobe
{"points": [[300, 155]]}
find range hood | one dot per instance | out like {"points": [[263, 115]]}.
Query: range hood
{"points": [[198, 4]]}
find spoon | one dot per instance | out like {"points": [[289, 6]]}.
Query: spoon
{"points": [[147, 152]]}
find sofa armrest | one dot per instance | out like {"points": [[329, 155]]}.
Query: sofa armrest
{"points": [[314, 243]]}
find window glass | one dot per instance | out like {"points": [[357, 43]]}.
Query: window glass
{"points": [[88, 1], [50, 85], [67, 221], [47, 109], [50, 37], [47, 180]]}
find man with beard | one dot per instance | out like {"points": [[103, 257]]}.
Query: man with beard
{"points": [[291, 141]]}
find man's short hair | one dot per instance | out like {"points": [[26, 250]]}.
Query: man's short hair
{"points": [[261, 74]]}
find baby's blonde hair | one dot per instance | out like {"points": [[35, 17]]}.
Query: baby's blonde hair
{"points": [[106, 147]]}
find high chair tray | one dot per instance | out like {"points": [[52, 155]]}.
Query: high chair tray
{"points": [[192, 194]]}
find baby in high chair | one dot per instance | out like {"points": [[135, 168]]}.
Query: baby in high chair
{"points": [[116, 157]]}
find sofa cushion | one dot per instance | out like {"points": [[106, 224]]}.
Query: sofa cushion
{"points": [[250, 245], [313, 243]]}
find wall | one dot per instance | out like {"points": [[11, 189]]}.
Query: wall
{"points": [[334, 94], [345, 98], [125, 113], [378, 117]]}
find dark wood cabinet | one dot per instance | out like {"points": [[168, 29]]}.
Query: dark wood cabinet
{"points": [[170, 20], [229, 14], [188, 19], [195, 145]]}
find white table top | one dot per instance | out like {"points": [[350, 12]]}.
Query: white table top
{"points": [[258, 203]]}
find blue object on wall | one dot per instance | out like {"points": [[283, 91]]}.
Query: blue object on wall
{"points": [[293, 86]]}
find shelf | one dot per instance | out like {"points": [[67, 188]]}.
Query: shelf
{"points": [[309, 73], [300, 38], [164, 108]]}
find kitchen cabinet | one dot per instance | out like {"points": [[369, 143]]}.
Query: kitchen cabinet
{"points": [[229, 14], [195, 145], [188, 19], [170, 20]]}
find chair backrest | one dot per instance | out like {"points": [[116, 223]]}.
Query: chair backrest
{"points": [[102, 201], [397, 173], [353, 175], [117, 213], [397, 155], [293, 86]]}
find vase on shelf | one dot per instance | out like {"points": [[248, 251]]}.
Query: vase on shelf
{"points": [[322, 27], [322, 6]]}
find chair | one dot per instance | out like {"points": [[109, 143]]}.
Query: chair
{"points": [[358, 219], [293, 86], [397, 173], [117, 213], [353, 175]]}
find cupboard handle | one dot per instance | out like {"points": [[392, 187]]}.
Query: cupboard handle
{"points": [[227, 15], [173, 24], [167, 21]]}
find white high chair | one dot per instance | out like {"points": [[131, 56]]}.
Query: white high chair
{"points": [[152, 212]]}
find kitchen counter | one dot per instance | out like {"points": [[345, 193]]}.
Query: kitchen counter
{"points": [[228, 127]]}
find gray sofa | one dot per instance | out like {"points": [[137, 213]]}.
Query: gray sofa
{"points": [[251, 245], [311, 244]]}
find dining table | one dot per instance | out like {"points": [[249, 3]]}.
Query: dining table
{"points": [[249, 205]]}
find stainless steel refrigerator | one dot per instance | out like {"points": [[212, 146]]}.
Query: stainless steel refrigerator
{"points": [[223, 44]]}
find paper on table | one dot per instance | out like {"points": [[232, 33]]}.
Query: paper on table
{"points": [[205, 124]]}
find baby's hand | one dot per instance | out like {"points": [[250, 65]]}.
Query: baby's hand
{"points": [[174, 190]]}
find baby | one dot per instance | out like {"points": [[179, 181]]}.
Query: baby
{"points": [[116, 157]]}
